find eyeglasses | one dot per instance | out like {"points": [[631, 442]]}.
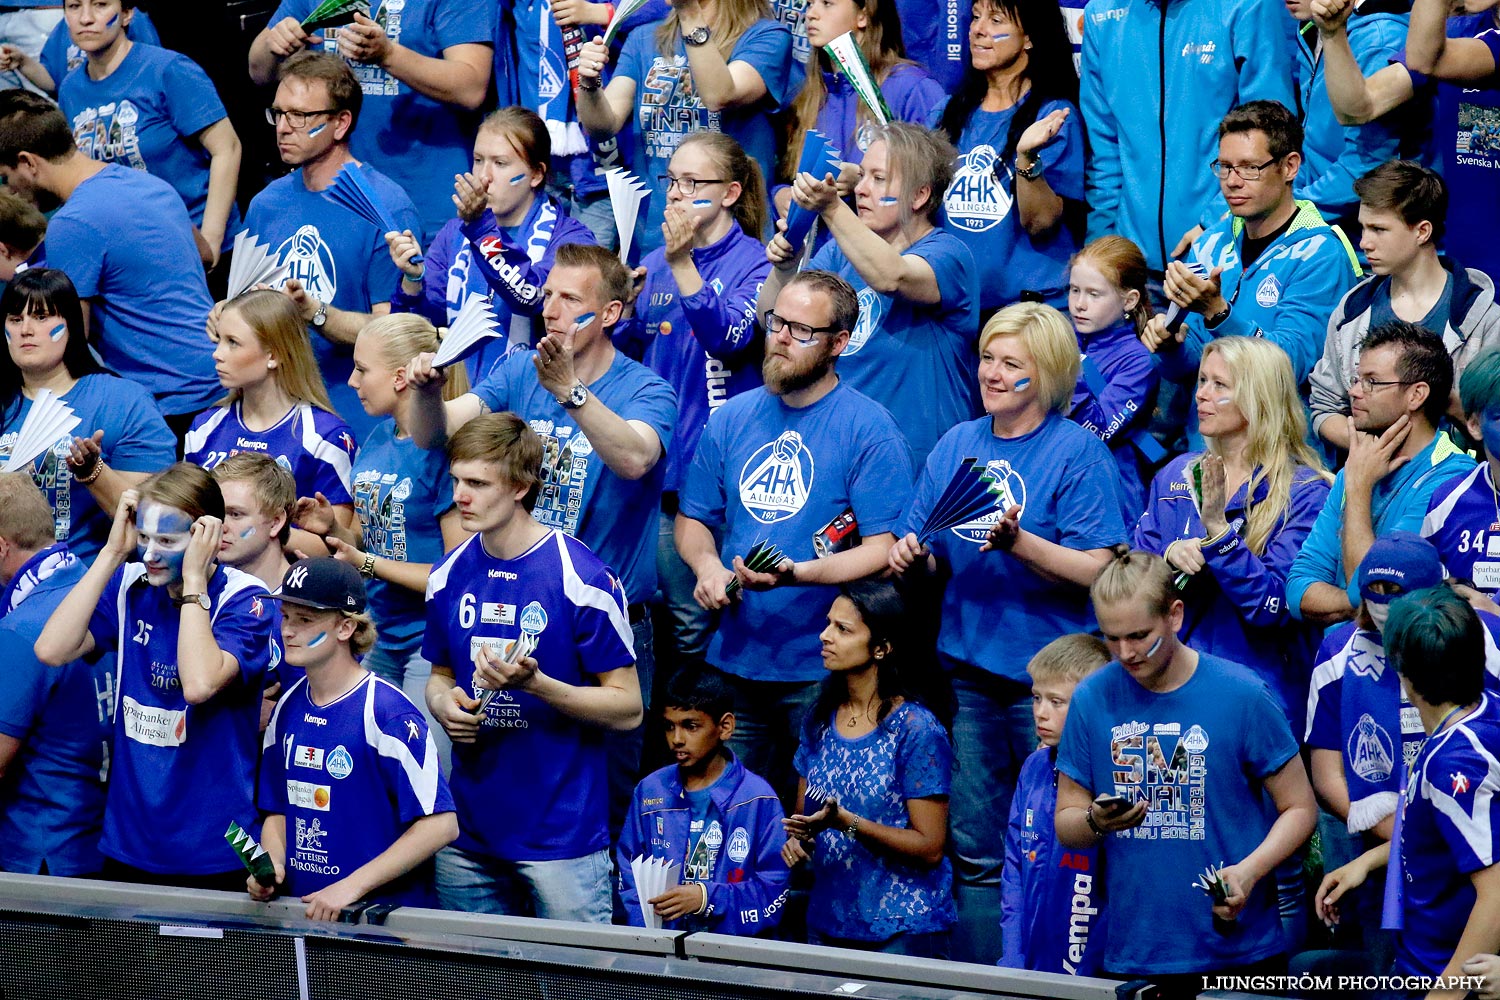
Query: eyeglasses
{"points": [[1248, 171], [800, 332], [687, 185], [1367, 384], [296, 119]]}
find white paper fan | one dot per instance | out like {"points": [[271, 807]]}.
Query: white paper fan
{"points": [[626, 193], [519, 648], [50, 418], [653, 876], [474, 322], [253, 264]]}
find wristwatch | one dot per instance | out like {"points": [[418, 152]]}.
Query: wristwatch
{"points": [[202, 600], [575, 398], [321, 316], [698, 36], [1213, 321], [1030, 173]]}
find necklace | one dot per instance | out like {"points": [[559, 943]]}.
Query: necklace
{"points": [[854, 717]]}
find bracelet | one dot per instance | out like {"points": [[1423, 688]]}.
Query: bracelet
{"points": [[852, 830], [591, 83], [367, 569], [702, 888], [1089, 817], [418, 279], [85, 480]]}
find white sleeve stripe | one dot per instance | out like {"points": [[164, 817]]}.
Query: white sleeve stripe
{"points": [[133, 572], [325, 451], [1438, 516], [271, 736], [584, 595], [423, 777], [1473, 826], [438, 578], [1324, 674], [197, 438]]}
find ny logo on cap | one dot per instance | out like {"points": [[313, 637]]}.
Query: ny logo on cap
{"points": [[297, 577]]}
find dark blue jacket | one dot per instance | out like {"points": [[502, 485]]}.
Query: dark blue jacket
{"points": [[1049, 894], [750, 879], [1116, 390]]}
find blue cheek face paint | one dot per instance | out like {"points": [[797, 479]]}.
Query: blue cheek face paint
{"points": [[56, 333], [999, 38], [112, 21], [1022, 384], [1155, 645], [317, 640], [316, 130], [517, 179], [582, 321], [1223, 402], [166, 531], [248, 532], [703, 203], [1490, 431], [889, 200]]}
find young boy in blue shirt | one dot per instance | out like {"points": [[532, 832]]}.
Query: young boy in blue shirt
{"points": [[1050, 894], [717, 821]]}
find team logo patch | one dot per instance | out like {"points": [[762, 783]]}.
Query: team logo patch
{"points": [[533, 618], [777, 478], [1460, 782], [1012, 493], [309, 757], [1370, 751], [976, 201], [871, 312], [491, 613], [1196, 740], [739, 845], [1268, 292], [306, 795], [340, 764]]}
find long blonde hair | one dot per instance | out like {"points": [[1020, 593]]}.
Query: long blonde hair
{"points": [[278, 325], [1265, 390], [732, 18]]}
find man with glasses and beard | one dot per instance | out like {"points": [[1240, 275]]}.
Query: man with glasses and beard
{"points": [[812, 467]]}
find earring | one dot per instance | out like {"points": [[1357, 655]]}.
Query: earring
{"points": [[271, 363]]}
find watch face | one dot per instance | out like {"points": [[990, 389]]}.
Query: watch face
{"points": [[578, 396], [697, 36]]}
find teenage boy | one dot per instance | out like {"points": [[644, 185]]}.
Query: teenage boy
{"points": [[1402, 209], [343, 729], [1050, 905], [528, 728], [706, 813], [1463, 516]]}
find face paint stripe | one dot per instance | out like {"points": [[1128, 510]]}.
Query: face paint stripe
{"points": [[1022, 384], [316, 130], [1156, 645], [317, 640], [889, 200], [517, 179], [56, 333]]}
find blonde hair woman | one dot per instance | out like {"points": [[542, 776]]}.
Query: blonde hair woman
{"points": [[1020, 571], [1231, 519], [277, 403]]}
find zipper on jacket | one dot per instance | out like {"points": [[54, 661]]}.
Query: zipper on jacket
{"points": [[1161, 76]]}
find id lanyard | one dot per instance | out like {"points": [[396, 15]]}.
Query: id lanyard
{"points": [[1390, 910]]}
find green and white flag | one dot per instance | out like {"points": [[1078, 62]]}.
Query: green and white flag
{"points": [[254, 857], [332, 13], [850, 60], [622, 11]]}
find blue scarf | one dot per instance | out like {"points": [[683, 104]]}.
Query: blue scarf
{"points": [[1382, 731], [35, 570], [549, 90]]}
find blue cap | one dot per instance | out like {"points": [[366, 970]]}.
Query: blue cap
{"points": [[324, 584], [1404, 558]]}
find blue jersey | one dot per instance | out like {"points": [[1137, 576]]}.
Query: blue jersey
{"points": [[765, 470], [866, 895], [52, 802], [1114, 398], [411, 137], [506, 267], [97, 237], [1236, 606], [918, 361], [615, 517], [668, 108], [980, 207], [136, 439], [533, 787], [1449, 831], [169, 758], [1198, 755], [147, 115], [705, 344], [1357, 707], [1463, 524], [400, 492], [745, 876], [60, 56], [371, 745], [1065, 481], [1051, 896], [338, 257], [314, 445]]}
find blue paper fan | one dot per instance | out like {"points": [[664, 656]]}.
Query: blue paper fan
{"points": [[819, 158], [350, 190], [969, 495]]}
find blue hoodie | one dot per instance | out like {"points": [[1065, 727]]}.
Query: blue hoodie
{"points": [[1334, 156], [749, 881], [1157, 76], [1236, 606], [1116, 390], [1049, 894], [704, 345]]}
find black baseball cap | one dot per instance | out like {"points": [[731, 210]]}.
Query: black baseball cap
{"points": [[325, 584]]}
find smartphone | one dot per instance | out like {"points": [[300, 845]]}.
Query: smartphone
{"points": [[1112, 803]]}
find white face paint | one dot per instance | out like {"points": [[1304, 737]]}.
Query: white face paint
{"points": [[1378, 614], [162, 534]]}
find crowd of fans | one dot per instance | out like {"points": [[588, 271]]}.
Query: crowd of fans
{"points": [[1077, 549]]}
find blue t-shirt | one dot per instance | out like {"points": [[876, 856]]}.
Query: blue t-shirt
{"points": [[858, 893], [169, 760], [918, 361], [1198, 755], [412, 138], [981, 208], [146, 115], [1437, 317], [533, 787], [1463, 524], [339, 258], [765, 470], [615, 517], [99, 237], [668, 109], [136, 439], [1450, 829], [400, 492], [1065, 480], [52, 801], [371, 745], [312, 444], [60, 56]]}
